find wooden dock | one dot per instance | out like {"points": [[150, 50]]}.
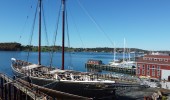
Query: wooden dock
{"points": [[19, 89], [124, 70], [13, 90]]}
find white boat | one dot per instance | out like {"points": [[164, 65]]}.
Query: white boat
{"points": [[114, 62], [128, 64], [125, 63]]}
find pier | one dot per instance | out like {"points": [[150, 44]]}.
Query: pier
{"points": [[13, 90], [18, 89], [124, 70]]}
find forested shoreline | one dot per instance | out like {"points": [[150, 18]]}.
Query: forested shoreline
{"points": [[19, 47]]}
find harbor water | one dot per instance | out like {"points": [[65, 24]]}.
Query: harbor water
{"points": [[73, 60]]}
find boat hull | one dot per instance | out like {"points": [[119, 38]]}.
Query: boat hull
{"points": [[44, 81], [86, 89], [34, 80]]}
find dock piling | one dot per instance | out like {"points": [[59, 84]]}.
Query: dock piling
{"points": [[2, 88], [5, 89]]}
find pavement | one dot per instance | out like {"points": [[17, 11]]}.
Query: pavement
{"points": [[141, 93]]}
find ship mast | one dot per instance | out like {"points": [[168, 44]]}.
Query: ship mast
{"points": [[39, 38], [63, 31], [124, 51], [114, 52]]}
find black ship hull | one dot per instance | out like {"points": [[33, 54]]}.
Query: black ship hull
{"points": [[97, 91]]}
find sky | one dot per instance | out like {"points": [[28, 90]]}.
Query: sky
{"points": [[144, 24]]}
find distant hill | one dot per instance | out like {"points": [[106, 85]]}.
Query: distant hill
{"points": [[10, 46], [13, 46]]}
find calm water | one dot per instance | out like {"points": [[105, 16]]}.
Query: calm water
{"points": [[75, 61]]}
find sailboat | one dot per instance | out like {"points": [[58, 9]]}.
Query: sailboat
{"points": [[43, 75], [114, 62], [127, 62]]}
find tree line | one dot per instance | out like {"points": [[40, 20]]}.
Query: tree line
{"points": [[10, 46], [13, 46]]}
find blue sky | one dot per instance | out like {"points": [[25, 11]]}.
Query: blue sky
{"points": [[145, 24]]}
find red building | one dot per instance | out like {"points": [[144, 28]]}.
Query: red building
{"points": [[153, 66], [95, 62]]}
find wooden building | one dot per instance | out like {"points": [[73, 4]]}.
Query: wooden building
{"points": [[95, 62], [153, 66]]}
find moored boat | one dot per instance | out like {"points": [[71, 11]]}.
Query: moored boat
{"points": [[48, 75], [51, 77]]}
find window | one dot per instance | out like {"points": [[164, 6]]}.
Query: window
{"points": [[158, 67], [160, 59], [155, 59], [143, 72], [166, 60], [153, 67], [158, 73], [138, 65], [138, 71], [144, 58], [150, 58], [148, 67], [153, 72], [143, 67], [148, 70], [148, 73]]}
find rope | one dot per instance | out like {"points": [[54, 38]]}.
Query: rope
{"points": [[30, 41], [94, 21], [68, 41], [76, 28], [45, 28], [23, 28], [55, 36]]}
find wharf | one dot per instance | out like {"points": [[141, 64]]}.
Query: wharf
{"points": [[14, 90], [124, 70], [18, 89]]}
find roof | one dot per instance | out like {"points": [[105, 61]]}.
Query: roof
{"points": [[30, 67], [56, 70], [158, 57], [94, 60]]}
